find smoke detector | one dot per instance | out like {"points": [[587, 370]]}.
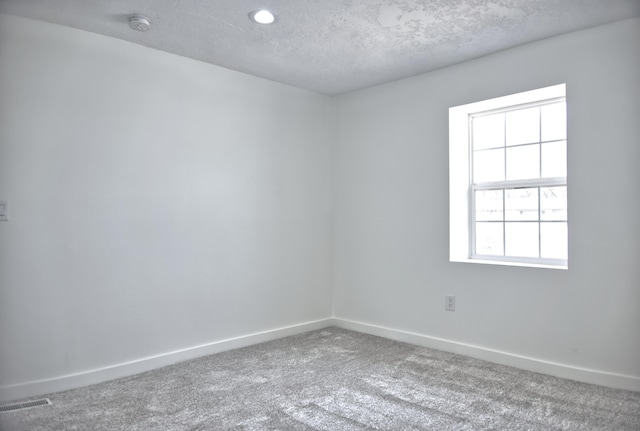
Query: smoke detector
{"points": [[139, 22]]}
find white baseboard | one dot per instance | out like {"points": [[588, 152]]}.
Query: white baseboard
{"points": [[76, 380], [84, 378], [564, 371]]}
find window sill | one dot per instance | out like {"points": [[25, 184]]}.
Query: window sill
{"points": [[509, 263]]}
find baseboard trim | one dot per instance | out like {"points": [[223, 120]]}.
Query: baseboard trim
{"points": [[76, 380], [602, 378], [84, 378]]}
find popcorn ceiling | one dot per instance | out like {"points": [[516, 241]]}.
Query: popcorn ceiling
{"points": [[331, 46]]}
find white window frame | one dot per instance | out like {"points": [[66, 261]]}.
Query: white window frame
{"points": [[461, 188]]}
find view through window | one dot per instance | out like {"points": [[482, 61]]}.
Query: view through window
{"points": [[508, 179], [519, 172]]}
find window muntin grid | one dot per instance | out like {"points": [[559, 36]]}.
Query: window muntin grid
{"points": [[518, 183]]}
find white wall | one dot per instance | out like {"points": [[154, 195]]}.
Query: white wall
{"points": [[391, 257], [156, 203]]}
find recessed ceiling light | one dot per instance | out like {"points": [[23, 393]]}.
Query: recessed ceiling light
{"points": [[262, 16]]}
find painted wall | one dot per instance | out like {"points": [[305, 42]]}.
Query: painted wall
{"points": [[156, 203], [391, 256]]}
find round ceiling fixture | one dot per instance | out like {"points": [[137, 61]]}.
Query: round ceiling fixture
{"points": [[139, 22], [262, 16]]}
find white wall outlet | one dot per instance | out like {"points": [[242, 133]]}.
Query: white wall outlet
{"points": [[450, 303]]}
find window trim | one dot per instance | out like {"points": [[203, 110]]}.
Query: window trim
{"points": [[461, 188]]}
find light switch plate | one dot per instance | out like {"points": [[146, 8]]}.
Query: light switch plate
{"points": [[4, 216]]}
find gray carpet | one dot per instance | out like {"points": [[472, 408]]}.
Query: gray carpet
{"points": [[334, 380]]}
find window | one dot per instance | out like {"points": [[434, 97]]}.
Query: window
{"points": [[508, 180]]}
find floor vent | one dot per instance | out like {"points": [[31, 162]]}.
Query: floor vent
{"points": [[24, 405]]}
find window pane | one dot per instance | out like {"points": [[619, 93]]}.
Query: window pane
{"points": [[489, 239], [554, 159], [488, 205], [488, 131], [554, 240], [553, 203], [523, 162], [488, 165], [521, 204], [554, 121], [521, 239], [523, 126]]}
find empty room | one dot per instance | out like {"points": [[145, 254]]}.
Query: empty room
{"points": [[320, 215]]}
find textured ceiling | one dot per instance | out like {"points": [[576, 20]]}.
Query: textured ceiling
{"points": [[331, 46]]}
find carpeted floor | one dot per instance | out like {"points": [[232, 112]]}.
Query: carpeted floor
{"points": [[334, 380]]}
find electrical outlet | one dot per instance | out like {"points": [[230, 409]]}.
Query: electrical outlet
{"points": [[450, 303]]}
